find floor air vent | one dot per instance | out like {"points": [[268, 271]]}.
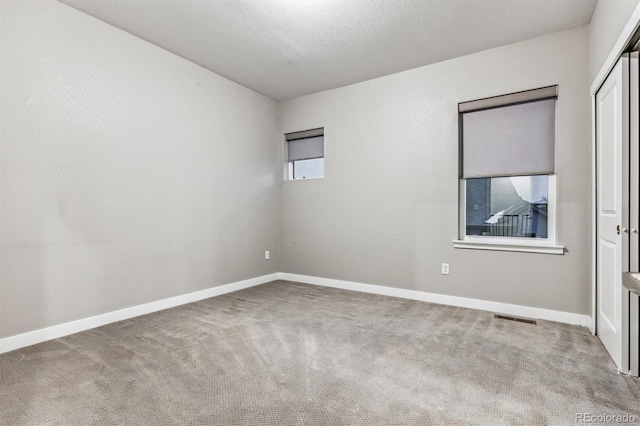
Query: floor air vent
{"points": [[525, 320]]}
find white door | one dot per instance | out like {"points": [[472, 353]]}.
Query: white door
{"points": [[610, 107]]}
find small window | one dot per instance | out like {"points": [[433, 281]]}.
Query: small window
{"points": [[305, 154], [507, 170]]}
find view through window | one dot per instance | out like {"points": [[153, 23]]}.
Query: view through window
{"points": [[508, 206]]}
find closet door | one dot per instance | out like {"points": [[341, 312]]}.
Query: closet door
{"points": [[610, 119]]}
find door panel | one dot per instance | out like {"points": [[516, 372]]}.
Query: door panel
{"points": [[610, 111], [633, 337], [608, 308]]}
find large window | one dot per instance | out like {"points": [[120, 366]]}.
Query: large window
{"points": [[305, 154], [508, 171]]}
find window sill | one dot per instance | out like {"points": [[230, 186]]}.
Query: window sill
{"points": [[309, 178], [519, 246]]}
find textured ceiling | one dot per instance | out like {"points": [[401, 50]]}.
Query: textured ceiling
{"points": [[288, 48]]}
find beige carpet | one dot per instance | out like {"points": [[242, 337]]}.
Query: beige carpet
{"points": [[293, 354]]}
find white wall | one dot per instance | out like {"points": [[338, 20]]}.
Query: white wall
{"points": [[127, 174], [608, 19], [387, 211]]}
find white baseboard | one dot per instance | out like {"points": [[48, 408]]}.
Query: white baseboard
{"points": [[37, 336], [31, 338], [442, 299]]}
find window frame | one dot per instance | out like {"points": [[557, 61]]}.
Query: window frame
{"points": [[547, 245], [485, 242]]}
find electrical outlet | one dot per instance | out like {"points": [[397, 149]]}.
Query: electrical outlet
{"points": [[445, 269], [266, 255]]}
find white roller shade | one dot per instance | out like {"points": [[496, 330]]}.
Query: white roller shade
{"points": [[304, 149], [511, 140]]}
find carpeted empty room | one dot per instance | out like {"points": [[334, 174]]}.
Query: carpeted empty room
{"points": [[319, 212], [285, 353]]}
